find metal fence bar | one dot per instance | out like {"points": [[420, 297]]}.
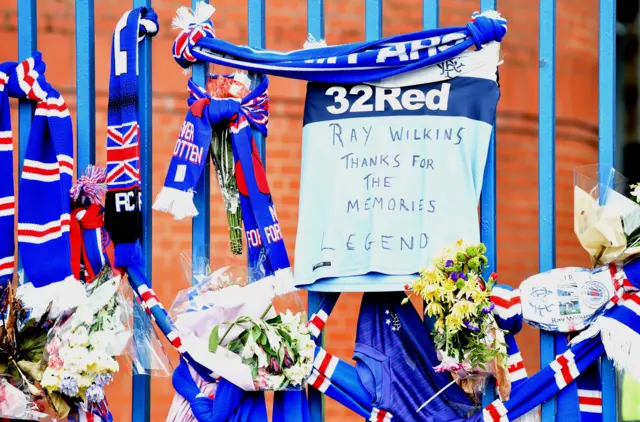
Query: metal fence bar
{"points": [[373, 19], [547, 169], [488, 211], [315, 27], [141, 400], [27, 45], [606, 158], [85, 85], [200, 224], [257, 29], [430, 14]]}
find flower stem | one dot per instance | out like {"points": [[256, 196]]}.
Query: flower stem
{"points": [[264, 314]]}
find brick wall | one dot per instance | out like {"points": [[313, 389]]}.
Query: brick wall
{"points": [[286, 29]]}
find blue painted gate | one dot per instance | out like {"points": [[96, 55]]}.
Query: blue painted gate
{"points": [[86, 133]]}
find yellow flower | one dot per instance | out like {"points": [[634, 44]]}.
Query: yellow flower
{"points": [[453, 322], [434, 308], [463, 309], [439, 325]]}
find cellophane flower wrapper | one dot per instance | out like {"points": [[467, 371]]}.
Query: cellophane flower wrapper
{"points": [[606, 223], [17, 404], [237, 309], [82, 346], [605, 219], [145, 353]]}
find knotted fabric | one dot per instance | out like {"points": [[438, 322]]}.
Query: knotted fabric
{"points": [[191, 151], [91, 247], [43, 206], [345, 64], [123, 215]]}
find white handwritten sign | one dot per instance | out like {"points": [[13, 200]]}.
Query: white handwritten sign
{"points": [[389, 177]]}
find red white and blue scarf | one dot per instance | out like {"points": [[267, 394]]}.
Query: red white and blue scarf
{"points": [[123, 214], [43, 206]]}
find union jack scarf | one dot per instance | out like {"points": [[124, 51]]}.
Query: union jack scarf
{"points": [[43, 206], [344, 64], [123, 214]]}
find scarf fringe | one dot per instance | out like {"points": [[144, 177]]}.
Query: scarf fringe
{"points": [[186, 16], [62, 296], [176, 202], [313, 43], [621, 344]]}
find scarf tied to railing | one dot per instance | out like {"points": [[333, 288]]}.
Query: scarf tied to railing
{"points": [[344, 64], [123, 214], [615, 333], [43, 205], [266, 248]]}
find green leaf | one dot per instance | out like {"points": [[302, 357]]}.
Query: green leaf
{"points": [[263, 339], [405, 301], [59, 404], [214, 339], [275, 320], [35, 370], [256, 333]]}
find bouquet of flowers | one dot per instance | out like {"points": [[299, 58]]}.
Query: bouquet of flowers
{"points": [[252, 334], [469, 343], [606, 218], [279, 350], [81, 347], [232, 86], [22, 342]]}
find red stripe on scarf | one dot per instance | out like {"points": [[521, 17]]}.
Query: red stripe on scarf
{"points": [[505, 303], [40, 171], [128, 152], [593, 401], [325, 363]]}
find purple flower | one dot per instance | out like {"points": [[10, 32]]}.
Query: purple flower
{"points": [[489, 308], [274, 366], [95, 393], [448, 264], [471, 327], [453, 277], [464, 276], [287, 362], [69, 386], [103, 379]]}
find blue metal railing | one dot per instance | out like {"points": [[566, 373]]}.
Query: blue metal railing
{"points": [[86, 133]]}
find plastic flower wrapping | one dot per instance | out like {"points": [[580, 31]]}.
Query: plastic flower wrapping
{"points": [[607, 225], [468, 341], [253, 334]]}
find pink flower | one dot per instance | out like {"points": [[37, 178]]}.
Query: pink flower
{"points": [[261, 381], [54, 346], [55, 362]]}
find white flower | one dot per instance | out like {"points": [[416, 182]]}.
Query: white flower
{"points": [[636, 191], [102, 362], [100, 340], [75, 358], [273, 337], [297, 373], [50, 379], [80, 337], [274, 381], [85, 381], [251, 349]]}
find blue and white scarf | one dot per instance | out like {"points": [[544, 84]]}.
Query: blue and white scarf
{"points": [[344, 64], [123, 214], [43, 206]]}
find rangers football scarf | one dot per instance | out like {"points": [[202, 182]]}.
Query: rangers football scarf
{"points": [[344, 64], [123, 214], [266, 249], [43, 206]]}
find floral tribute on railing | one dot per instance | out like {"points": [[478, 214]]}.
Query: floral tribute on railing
{"points": [[469, 343]]}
